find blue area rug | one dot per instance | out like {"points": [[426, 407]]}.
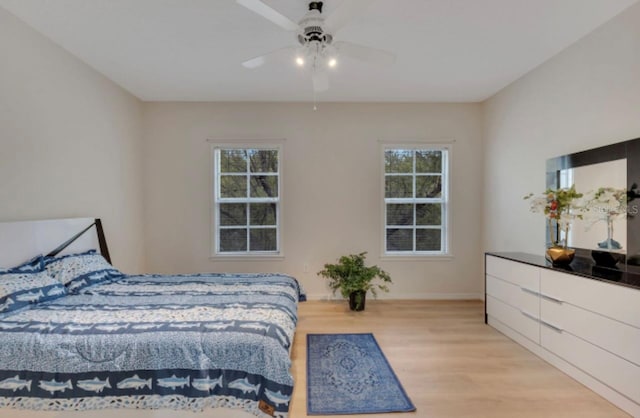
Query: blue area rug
{"points": [[349, 374]]}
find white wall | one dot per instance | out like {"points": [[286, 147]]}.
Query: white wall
{"points": [[332, 187], [586, 96], [69, 141]]}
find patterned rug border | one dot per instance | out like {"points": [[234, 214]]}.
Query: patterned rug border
{"points": [[411, 407]]}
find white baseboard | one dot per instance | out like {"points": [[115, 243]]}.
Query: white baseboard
{"points": [[406, 296]]}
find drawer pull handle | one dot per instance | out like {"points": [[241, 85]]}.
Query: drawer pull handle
{"points": [[528, 315], [553, 327], [551, 298], [533, 292]]}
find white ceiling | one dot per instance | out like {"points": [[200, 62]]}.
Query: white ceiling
{"points": [[191, 50]]}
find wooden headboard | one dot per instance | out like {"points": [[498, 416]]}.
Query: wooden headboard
{"points": [[21, 241]]}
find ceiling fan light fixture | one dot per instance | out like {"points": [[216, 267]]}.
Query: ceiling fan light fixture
{"points": [[332, 62], [299, 61]]}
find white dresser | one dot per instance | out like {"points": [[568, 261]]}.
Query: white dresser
{"points": [[588, 328]]}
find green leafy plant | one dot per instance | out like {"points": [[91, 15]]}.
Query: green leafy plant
{"points": [[350, 275]]}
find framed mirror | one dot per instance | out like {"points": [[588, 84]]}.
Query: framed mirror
{"points": [[608, 176]]}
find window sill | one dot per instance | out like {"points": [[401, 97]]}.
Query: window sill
{"points": [[249, 257], [417, 257]]}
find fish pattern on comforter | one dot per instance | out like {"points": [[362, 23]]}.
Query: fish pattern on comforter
{"points": [[151, 341]]}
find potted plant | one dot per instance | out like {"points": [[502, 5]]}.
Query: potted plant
{"points": [[561, 206], [607, 204], [354, 279]]}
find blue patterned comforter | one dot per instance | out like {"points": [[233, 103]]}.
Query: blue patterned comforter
{"points": [[181, 342]]}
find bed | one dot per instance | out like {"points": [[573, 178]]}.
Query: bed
{"points": [[112, 341]]}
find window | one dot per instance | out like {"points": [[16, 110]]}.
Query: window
{"points": [[246, 200], [416, 200]]}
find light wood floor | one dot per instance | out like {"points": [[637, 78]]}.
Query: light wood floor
{"points": [[450, 363]]}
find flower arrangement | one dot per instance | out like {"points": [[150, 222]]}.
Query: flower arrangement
{"points": [[607, 204], [559, 205]]}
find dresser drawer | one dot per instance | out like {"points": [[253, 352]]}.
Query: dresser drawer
{"points": [[617, 302], [611, 335], [608, 368], [517, 296], [517, 273], [516, 319]]}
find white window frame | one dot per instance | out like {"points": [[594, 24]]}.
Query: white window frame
{"points": [[216, 200], [445, 200]]}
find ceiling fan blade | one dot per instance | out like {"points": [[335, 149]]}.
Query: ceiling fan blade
{"points": [[364, 53], [347, 10], [320, 81], [268, 13], [269, 56], [254, 62]]}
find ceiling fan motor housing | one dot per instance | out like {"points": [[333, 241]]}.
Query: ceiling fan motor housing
{"points": [[311, 26]]}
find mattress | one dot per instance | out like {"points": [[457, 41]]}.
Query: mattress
{"points": [[181, 342]]}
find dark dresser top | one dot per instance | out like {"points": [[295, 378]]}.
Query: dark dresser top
{"points": [[580, 266]]}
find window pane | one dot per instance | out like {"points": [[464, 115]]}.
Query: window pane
{"points": [[398, 161], [428, 240], [243, 176], [415, 177], [429, 214], [264, 186], [233, 186], [232, 214], [263, 239], [399, 239], [233, 161], [263, 161], [232, 240], [263, 213], [428, 161], [428, 186], [400, 214], [398, 186]]}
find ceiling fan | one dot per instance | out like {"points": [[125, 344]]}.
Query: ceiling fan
{"points": [[316, 48]]}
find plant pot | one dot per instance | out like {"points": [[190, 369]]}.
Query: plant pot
{"points": [[560, 256], [357, 300], [606, 258]]}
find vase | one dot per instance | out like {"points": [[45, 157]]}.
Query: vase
{"points": [[357, 299], [607, 258], [560, 256]]}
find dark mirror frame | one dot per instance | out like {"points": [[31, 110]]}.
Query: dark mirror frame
{"points": [[631, 151]]}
